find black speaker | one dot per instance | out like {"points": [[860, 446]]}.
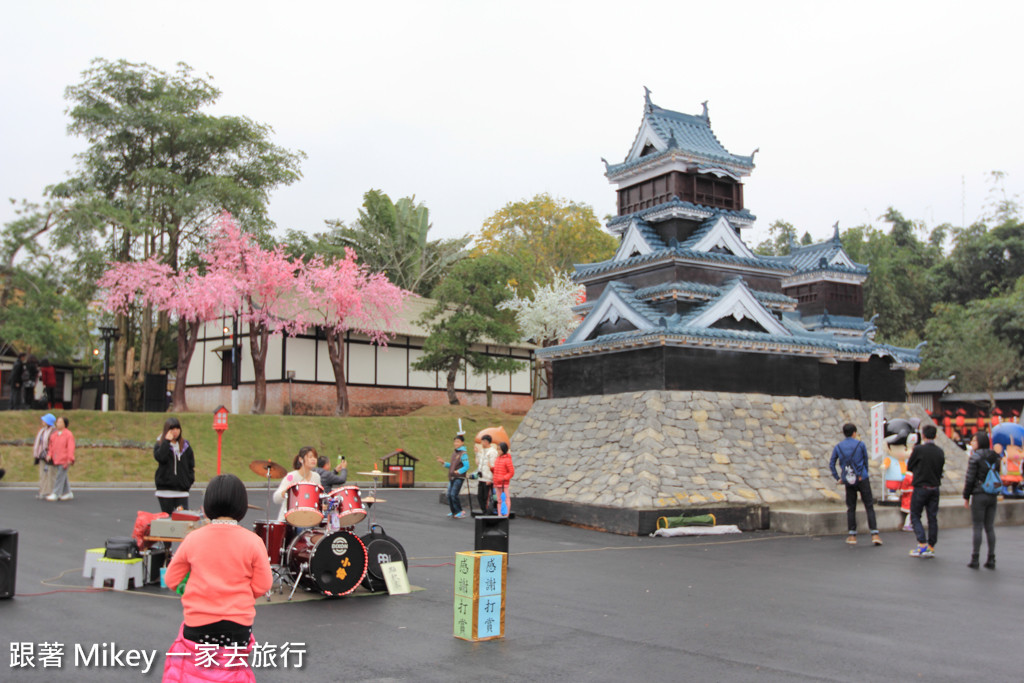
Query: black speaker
{"points": [[491, 533], [8, 561]]}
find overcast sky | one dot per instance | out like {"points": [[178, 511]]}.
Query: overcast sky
{"points": [[471, 105]]}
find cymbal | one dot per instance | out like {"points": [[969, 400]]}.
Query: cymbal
{"points": [[267, 468], [378, 473]]}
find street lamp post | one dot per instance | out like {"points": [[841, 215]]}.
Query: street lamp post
{"points": [[235, 357], [107, 334]]}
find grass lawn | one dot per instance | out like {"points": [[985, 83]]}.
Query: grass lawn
{"points": [[118, 447]]}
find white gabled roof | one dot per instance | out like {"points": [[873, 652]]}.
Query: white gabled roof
{"points": [[739, 302], [610, 307], [721, 235]]}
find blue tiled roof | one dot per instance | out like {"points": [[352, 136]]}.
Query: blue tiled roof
{"points": [[680, 326], [809, 258], [585, 269], [689, 134], [710, 291], [650, 235], [846, 322]]}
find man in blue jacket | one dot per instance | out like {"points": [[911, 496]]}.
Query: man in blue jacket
{"points": [[852, 457], [457, 466]]}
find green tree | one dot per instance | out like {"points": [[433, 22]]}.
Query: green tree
{"points": [[962, 341], [390, 238], [983, 263], [466, 315], [545, 234], [158, 169], [781, 236], [900, 286], [40, 312]]}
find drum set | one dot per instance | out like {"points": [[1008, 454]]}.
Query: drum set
{"points": [[316, 546]]}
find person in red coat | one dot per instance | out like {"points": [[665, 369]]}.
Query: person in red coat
{"points": [[62, 455], [503, 472], [48, 377]]}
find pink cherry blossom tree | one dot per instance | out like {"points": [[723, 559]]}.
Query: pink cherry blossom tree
{"points": [[343, 295], [261, 287], [269, 293], [188, 296]]}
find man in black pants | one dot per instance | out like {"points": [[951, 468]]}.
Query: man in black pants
{"points": [[926, 462], [852, 457]]}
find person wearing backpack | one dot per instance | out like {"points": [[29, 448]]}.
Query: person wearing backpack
{"points": [[982, 485], [852, 456]]}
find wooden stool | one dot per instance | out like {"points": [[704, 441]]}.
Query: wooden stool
{"points": [[120, 571], [92, 558]]}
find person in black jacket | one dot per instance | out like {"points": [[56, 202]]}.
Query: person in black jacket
{"points": [[176, 468], [983, 505], [926, 462]]}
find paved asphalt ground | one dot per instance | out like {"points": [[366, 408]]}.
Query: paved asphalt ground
{"points": [[581, 605]]}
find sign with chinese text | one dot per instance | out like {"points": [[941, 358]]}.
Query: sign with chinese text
{"points": [[480, 594], [877, 431]]}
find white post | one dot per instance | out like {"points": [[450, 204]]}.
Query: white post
{"points": [[104, 402], [234, 401]]}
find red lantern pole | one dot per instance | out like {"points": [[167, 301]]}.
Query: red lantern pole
{"points": [[220, 437], [220, 425]]}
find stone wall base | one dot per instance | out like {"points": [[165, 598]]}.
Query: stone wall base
{"points": [[321, 399], [676, 452]]}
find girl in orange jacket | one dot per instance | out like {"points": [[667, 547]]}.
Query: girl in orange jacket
{"points": [[503, 472]]}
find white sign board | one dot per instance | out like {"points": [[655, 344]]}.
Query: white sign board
{"points": [[877, 431]]}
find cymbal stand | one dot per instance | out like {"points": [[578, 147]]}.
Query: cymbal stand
{"points": [[369, 508], [298, 578], [268, 505]]}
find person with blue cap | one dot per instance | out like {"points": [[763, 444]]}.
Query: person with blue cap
{"points": [[41, 456]]}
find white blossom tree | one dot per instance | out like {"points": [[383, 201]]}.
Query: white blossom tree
{"points": [[547, 318]]}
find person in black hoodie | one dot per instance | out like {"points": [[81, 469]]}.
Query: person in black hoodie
{"points": [[176, 468], [926, 461], [982, 504]]}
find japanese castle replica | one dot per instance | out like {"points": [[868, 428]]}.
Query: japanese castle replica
{"points": [[703, 377], [686, 304]]}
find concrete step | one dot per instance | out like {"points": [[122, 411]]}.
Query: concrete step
{"points": [[817, 521]]}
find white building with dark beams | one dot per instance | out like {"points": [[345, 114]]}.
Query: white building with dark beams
{"points": [[381, 379]]}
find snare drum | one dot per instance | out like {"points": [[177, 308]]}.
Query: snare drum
{"points": [[304, 505], [349, 506], [331, 563], [275, 535]]}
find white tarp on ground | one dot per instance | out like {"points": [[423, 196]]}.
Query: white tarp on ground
{"points": [[699, 530]]}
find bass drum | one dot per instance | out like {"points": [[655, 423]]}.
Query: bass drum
{"points": [[380, 548], [329, 563]]}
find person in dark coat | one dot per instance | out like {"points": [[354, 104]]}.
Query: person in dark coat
{"points": [[176, 467], [29, 377], [16, 371], [982, 504], [926, 462]]}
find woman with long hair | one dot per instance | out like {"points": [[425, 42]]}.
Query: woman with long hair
{"points": [[304, 472], [176, 467], [982, 503]]}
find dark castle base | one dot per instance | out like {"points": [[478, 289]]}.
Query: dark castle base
{"points": [[669, 368], [634, 522]]}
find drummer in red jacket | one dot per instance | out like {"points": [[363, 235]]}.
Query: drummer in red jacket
{"points": [[503, 472]]}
